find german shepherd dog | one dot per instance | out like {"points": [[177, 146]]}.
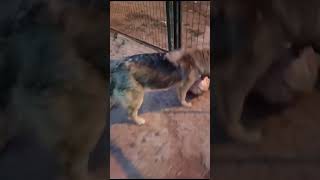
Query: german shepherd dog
{"points": [[249, 37], [53, 81], [130, 76]]}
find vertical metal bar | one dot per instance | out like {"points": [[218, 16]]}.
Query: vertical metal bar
{"points": [[170, 24], [177, 24]]}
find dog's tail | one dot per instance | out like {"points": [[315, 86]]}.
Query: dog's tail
{"points": [[185, 58], [175, 55]]}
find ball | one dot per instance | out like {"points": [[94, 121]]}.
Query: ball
{"points": [[200, 86]]}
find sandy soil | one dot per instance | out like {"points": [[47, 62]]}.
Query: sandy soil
{"points": [[147, 21], [174, 142]]}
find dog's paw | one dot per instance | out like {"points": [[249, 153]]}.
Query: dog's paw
{"points": [[140, 121], [186, 104]]}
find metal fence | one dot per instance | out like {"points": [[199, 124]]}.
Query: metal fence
{"points": [[164, 24], [142, 20], [195, 30]]}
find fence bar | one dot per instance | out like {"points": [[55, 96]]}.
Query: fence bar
{"points": [[177, 24], [170, 24]]}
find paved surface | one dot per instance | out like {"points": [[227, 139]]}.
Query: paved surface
{"points": [[174, 142]]}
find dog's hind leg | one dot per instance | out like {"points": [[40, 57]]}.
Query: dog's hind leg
{"points": [[129, 93], [135, 104], [237, 77], [131, 99]]}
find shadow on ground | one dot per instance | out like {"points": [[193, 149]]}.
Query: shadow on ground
{"points": [[125, 164], [154, 101]]}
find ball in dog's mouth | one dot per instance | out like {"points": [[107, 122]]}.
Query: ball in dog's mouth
{"points": [[200, 86]]}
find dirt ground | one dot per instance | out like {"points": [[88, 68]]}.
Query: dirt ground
{"points": [[289, 151], [174, 142], [147, 21]]}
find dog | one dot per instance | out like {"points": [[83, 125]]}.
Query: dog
{"points": [[53, 81], [130, 76], [248, 39]]}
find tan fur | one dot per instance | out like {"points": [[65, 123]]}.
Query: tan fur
{"points": [[191, 58], [194, 63]]}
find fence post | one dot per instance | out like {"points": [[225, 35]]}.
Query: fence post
{"points": [[173, 10], [170, 24], [177, 24]]}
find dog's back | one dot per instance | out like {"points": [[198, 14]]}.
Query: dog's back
{"points": [[153, 70]]}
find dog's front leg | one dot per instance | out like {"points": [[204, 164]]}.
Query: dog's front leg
{"points": [[236, 77], [229, 109], [184, 88]]}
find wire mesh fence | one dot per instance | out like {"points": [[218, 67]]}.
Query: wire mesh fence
{"points": [[195, 27], [146, 21], [142, 20]]}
